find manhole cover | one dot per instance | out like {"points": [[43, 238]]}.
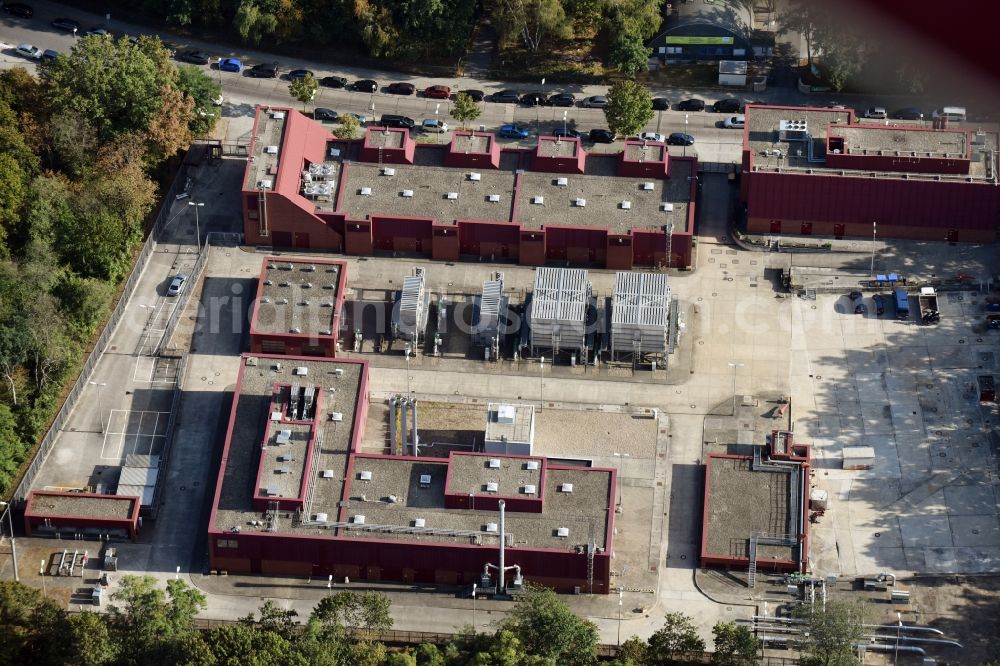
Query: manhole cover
{"points": [[694, 406], [714, 294], [878, 534], [700, 298], [684, 557], [942, 454], [183, 488], [975, 531], [961, 342], [819, 376]]}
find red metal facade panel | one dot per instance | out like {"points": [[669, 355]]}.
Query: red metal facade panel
{"points": [[402, 234], [444, 243], [619, 252], [576, 244], [489, 239]]}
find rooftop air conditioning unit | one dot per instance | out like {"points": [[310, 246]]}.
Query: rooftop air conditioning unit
{"points": [[475, 176], [321, 517], [365, 475], [538, 200], [327, 474], [275, 416], [336, 417], [562, 532], [626, 205], [271, 150], [388, 171], [452, 195], [566, 487], [529, 489], [265, 184], [295, 329], [648, 186], [301, 371], [365, 191], [278, 115], [531, 464], [492, 527], [359, 519], [580, 203], [562, 182], [408, 194], [668, 208], [493, 198], [494, 463], [425, 480], [492, 487], [419, 522]]}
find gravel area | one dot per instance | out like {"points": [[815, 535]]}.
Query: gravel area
{"points": [[573, 433]]}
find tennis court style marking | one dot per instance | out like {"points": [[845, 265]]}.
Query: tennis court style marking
{"points": [[130, 431], [155, 370]]}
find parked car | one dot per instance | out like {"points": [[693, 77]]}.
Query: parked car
{"points": [[569, 132], [333, 81], [69, 25], [264, 70], [49, 55], [652, 136], [176, 284], [728, 105], [476, 95], [97, 32], [908, 113], [434, 126], [680, 139], [876, 113], [835, 105], [29, 51], [365, 85], [879, 302], [951, 113], [360, 117], [438, 92], [231, 65], [395, 120], [534, 99], [324, 115], [734, 122], [858, 302], [692, 105], [602, 136], [514, 132], [562, 99], [507, 97], [401, 89], [297, 74], [18, 9], [661, 104], [194, 57], [595, 102]]}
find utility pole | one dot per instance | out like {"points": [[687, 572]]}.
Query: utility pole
{"points": [[874, 233], [100, 401], [197, 223], [734, 366], [13, 545], [620, 591]]}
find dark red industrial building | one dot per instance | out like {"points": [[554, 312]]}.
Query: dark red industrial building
{"points": [[304, 188], [298, 306], [51, 512], [756, 508], [296, 495], [818, 171]]}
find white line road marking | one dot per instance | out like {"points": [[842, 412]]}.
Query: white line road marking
{"points": [[129, 430]]}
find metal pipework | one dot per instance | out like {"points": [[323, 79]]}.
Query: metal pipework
{"points": [[416, 437], [403, 425], [393, 412]]}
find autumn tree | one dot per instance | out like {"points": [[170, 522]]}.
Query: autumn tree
{"points": [[348, 127], [531, 21], [304, 89], [464, 109]]}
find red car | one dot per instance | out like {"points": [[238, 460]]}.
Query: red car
{"points": [[438, 92]]}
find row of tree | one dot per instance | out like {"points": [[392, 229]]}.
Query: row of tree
{"points": [[79, 149], [148, 626]]}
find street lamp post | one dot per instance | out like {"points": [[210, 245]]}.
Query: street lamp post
{"points": [[100, 401], [874, 233], [685, 132], [13, 545], [564, 121], [620, 591], [474, 586], [734, 366], [197, 223], [618, 464]]}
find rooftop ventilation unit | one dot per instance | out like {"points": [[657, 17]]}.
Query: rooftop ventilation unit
{"points": [[275, 416], [506, 414], [273, 491], [271, 150], [494, 463], [365, 191], [359, 519], [408, 194], [265, 299], [278, 115], [538, 200], [284, 436], [529, 489], [365, 475], [335, 152], [388, 171], [282, 470], [321, 517], [419, 522], [493, 198], [475, 176], [793, 130], [285, 457], [327, 474], [336, 417], [668, 208], [626, 205], [562, 532], [531, 464], [425, 480], [648, 186], [580, 203], [265, 184], [566, 487], [392, 499], [301, 371], [268, 282], [492, 487], [562, 182], [492, 528], [295, 329], [310, 268], [452, 195]]}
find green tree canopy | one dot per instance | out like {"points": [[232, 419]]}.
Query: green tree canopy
{"points": [[464, 109], [674, 641], [303, 89], [348, 127], [833, 632], [549, 629], [629, 108], [204, 90], [735, 645]]}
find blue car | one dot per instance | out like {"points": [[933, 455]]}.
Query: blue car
{"points": [[514, 132], [231, 65]]}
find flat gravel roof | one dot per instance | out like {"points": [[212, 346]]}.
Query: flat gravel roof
{"points": [[299, 296], [82, 505], [471, 474]]}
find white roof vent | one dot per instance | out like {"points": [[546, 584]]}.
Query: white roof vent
{"points": [[265, 184], [359, 519], [492, 527], [626, 205], [562, 182], [336, 417], [365, 191], [562, 532], [531, 464], [295, 329], [475, 176], [301, 371], [425, 480], [505, 414], [452, 195], [327, 473], [529, 489], [538, 200], [278, 115], [271, 150], [365, 475], [494, 463], [408, 194], [668, 208], [580, 203], [419, 522], [388, 171], [392, 499], [566, 487], [648, 185], [275, 416], [492, 487], [493, 198], [321, 517]]}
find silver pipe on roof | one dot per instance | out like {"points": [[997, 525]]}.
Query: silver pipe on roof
{"points": [[416, 437], [392, 424], [403, 424], [502, 572]]}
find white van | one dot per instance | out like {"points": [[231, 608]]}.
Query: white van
{"points": [[952, 113]]}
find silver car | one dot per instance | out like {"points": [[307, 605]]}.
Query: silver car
{"points": [[176, 284], [596, 102], [29, 51]]}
